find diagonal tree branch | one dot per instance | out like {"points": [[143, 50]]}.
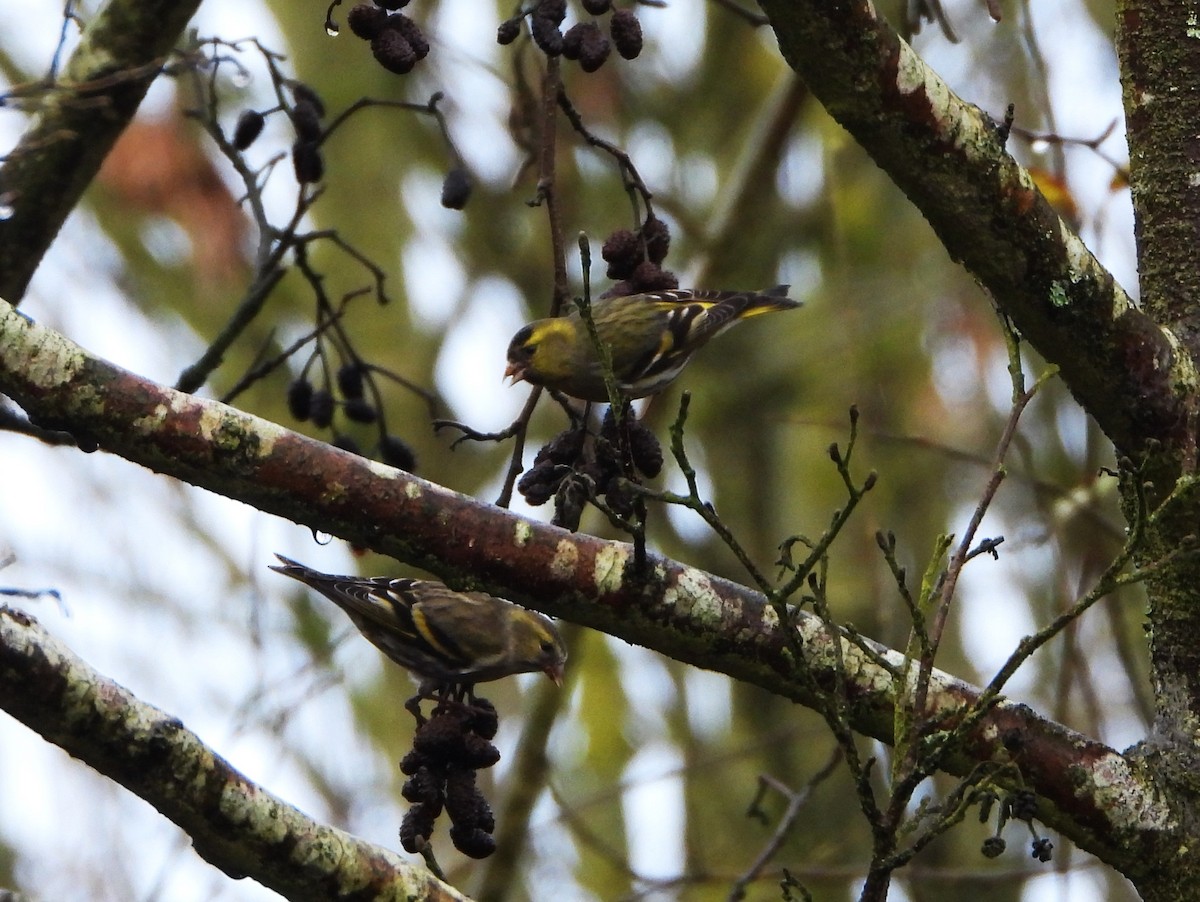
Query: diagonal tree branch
{"points": [[80, 117], [948, 157], [1088, 791], [233, 823]]}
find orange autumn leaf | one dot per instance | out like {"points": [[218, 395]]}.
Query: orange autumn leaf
{"points": [[158, 168]]}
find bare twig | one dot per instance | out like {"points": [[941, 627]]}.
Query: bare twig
{"points": [[797, 799], [855, 493], [693, 501], [632, 179]]}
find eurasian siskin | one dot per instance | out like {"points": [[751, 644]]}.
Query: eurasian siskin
{"points": [[449, 640], [650, 338]]}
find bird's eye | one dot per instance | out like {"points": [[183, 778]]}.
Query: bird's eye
{"points": [[547, 646]]}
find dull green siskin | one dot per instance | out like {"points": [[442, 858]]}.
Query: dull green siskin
{"points": [[447, 639]]}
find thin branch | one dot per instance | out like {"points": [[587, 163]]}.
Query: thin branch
{"points": [[266, 367], [197, 374], [797, 799], [841, 517], [629, 174], [693, 501], [547, 187], [964, 551]]}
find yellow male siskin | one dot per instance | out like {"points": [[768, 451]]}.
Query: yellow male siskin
{"points": [[449, 640], [650, 338]]}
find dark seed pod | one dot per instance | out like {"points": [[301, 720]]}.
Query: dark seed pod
{"points": [[573, 40], [656, 235], [619, 497], [391, 4], [564, 448], [649, 276], [306, 159], [1024, 805], [597, 7], [546, 35], [440, 737], [320, 408], [422, 786], [603, 468], [622, 251], [412, 762], [465, 804], [395, 452], [508, 31], [346, 443], [620, 245], [542, 471], [483, 719], [456, 189], [477, 753], [412, 33], [417, 826], [472, 841], [537, 494], [594, 49], [538, 484], [608, 427], [393, 52], [306, 121], [302, 93], [462, 797], [350, 379], [484, 816], [366, 20], [299, 397], [249, 127], [360, 410], [608, 461], [993, 847], [551, 10], [626, 31], [645, 449]]}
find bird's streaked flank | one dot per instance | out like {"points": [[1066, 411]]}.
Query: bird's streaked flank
{"points": [[449, 640]]}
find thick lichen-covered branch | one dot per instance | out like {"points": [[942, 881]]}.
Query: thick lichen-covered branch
{"points": [[234, 824]]}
